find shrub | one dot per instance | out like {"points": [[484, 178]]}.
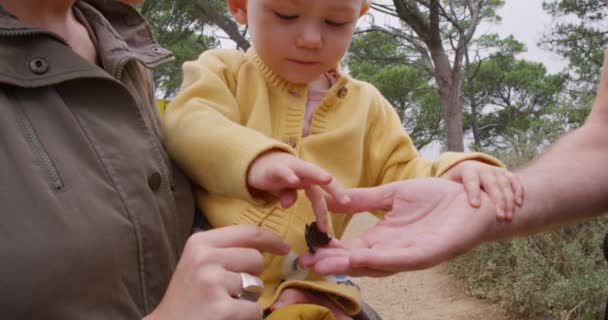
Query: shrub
{"points": [[555, 275]]}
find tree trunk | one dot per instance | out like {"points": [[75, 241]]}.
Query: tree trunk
{"points": [[474, 121], [452, 114], [472, 100], [428, 30], [227, 25], [449, 83]]}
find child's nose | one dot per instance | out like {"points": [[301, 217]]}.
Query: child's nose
{"points": [[309, 37]]}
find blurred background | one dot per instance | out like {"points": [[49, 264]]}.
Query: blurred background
{"points": [[502, 77]]}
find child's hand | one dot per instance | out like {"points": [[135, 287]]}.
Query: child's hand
{"points": [[503, 187], [300, 296], [282, 174]]}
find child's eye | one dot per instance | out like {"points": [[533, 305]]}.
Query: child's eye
{"points": [[335, 23], [285, 16]]}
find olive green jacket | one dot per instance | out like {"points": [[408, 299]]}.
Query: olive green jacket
{"points": [[94, 216]]}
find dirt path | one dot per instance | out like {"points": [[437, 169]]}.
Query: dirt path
{"points": [[422, 295]]}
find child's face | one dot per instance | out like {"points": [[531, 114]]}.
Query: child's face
{"points": [[301, 39]]}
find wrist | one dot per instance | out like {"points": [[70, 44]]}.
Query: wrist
{"points": [[251, 176], [495, 229]]}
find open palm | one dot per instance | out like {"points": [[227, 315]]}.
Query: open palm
{"points": [[427, 221]]}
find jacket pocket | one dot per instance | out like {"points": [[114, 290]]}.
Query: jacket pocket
{"points": [[37, 147]]}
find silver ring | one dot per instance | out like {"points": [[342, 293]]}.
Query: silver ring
{"points": [[252, 287]]}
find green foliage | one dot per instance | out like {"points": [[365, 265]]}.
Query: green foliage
{"points": [[376, 59], [177, 26], [519, 104], [555, 275], [371, 51], [580, 35], [435, 35], [508, 46]]}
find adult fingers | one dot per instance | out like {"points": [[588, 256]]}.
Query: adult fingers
{"points": [[243, 310], [508, 195], [240, 259], [518, 187], [392, 260], [333, 265], [337, 260], [245, 236], [366, 199], [472, 187], [336, 249], [233, 282], [490, 185], [343, 265], [319, 207]]}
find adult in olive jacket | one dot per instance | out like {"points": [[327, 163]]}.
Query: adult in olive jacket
{"points": [[94, 216]]}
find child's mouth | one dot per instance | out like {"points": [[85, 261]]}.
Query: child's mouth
{"points": [[303, 62]]}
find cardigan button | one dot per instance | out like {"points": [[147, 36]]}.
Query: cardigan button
{"points": [[342, 92], [291, 141]]}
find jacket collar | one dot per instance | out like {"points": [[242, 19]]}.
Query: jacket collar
{"points": [[121, 31]]}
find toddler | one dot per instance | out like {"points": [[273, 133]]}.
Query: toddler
{"points": [[282, 121]]}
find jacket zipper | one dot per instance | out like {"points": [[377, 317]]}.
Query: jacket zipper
{"points": [[31, 32], [37, 147]]}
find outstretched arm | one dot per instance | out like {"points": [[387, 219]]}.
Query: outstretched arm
{"points": [[430, 221], [569, 182]]}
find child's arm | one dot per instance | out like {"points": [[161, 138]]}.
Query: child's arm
{"points": [[206, 133], [393, 157], [503, 187], [204, 126]]}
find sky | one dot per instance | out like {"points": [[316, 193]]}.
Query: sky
{"points": [[527, 22]]}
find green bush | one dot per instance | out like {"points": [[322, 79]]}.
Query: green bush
{"points": [[555, 275]]}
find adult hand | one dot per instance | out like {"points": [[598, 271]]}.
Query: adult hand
{"points": [[281, 174], [206, 282], [427, 221]]}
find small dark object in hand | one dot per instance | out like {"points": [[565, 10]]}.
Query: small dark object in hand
{"points": [[315, 238]]}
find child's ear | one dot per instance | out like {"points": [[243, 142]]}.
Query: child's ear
{"points": [[238, 9]]}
